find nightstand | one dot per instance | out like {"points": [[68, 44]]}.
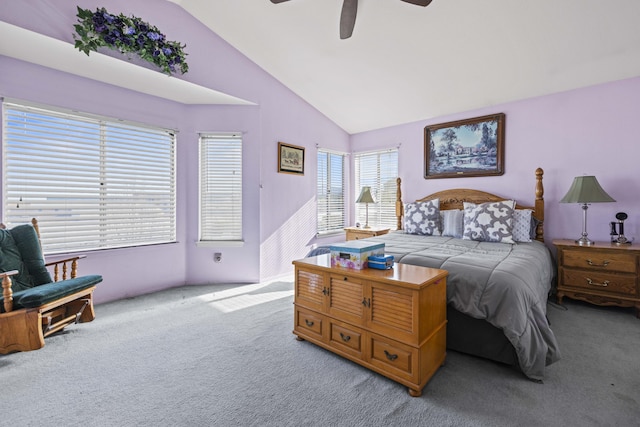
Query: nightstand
{"points": [[356, 233], [602, 274]]}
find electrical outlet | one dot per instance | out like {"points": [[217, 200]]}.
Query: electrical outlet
{"points": [[217, 257]]}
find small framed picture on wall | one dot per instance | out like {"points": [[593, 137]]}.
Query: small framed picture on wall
{"points": [[290, 159]]}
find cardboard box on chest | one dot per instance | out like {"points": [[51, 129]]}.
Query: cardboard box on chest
{"points": [[354, 254]]}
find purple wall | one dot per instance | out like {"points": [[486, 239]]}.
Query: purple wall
{"points": [[588, 131], [271, 238]]}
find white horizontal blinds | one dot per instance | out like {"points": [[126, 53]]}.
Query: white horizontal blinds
{"points": [[92, 183], [379, 171], [220, 187], [330, 192]]}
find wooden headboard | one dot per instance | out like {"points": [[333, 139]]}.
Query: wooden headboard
{"points": [[454, 199]]}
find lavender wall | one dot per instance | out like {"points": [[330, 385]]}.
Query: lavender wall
{"points": [[589, 131], [271, 238]]}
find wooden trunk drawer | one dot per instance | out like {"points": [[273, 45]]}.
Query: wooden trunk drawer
{"points": [[600, 261], [308, 323], [600, 281], [345, 338], [393, 357]]}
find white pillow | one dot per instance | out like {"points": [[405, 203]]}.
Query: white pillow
{"points": [[422, 218], [452, 221], [489, 222], [522, 225]]}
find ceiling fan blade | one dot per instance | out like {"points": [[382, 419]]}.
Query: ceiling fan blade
{"points": [[348, 18], [278, 1], [416, 2]]}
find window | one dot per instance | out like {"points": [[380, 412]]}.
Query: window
{"points": [[330, 192], [92, 182], [378, 170], [220, 187]]}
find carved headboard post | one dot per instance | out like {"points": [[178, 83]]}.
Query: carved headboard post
{"points": [[539, 205], [399, 207]]}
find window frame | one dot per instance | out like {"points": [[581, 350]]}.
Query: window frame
{"points": [[382, 213], [328, 184], [98, 194], [207, 237]]}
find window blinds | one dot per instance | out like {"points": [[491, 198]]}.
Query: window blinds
{"points": [[92, 183], [378, 170], [220, 187], [330, 192]]}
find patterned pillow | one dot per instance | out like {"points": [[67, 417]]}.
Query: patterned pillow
{"points": [[489, 222], [422, 218], [452, 222], [522, 225]]}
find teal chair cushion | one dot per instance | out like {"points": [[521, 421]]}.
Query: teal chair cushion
{"points": [[44, 294], [26, 257]]}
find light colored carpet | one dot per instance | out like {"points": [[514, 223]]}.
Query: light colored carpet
{"points": [[225, 356]]}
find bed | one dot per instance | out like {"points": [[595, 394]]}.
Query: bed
{"points": [[497, 287]]}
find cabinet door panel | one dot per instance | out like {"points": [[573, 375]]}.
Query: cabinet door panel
{"points": [[392, 308], [310, 289], [346, 298]]}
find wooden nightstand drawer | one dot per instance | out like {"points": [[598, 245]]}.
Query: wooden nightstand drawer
{"points": [[600, 281], [586, 259]]}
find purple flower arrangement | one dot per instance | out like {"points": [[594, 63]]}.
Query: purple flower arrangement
{"points": [[128, 35]]}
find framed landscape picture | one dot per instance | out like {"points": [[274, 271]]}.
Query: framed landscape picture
{"points": [[290, 159], [471, 147]]}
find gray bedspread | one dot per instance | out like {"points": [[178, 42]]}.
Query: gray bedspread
{"points": [[505, 284]]}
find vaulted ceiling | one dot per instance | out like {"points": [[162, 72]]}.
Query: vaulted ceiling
{"points": [[405, 63]]}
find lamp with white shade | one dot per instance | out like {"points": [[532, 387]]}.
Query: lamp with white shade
{"points": [[366, 197], [585, 190]]}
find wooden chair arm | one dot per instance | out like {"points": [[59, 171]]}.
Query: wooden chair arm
{"points": [[64, 262], [60, 261], [7, 293]]}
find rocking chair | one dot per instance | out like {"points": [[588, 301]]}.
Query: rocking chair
{"points": [[33, 306]]}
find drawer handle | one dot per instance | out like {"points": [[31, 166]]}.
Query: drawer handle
{"points": [[390, 356], [345, 338], [604, 263], [308, 322], [591, 282]]}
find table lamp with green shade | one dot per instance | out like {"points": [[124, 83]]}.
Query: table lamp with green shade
{"points": [[585, 190]]}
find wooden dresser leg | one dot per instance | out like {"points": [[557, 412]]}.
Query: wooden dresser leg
{"points": [[415, 393]]}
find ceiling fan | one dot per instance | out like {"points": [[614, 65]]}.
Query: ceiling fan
{"points": [[349, 10]]}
